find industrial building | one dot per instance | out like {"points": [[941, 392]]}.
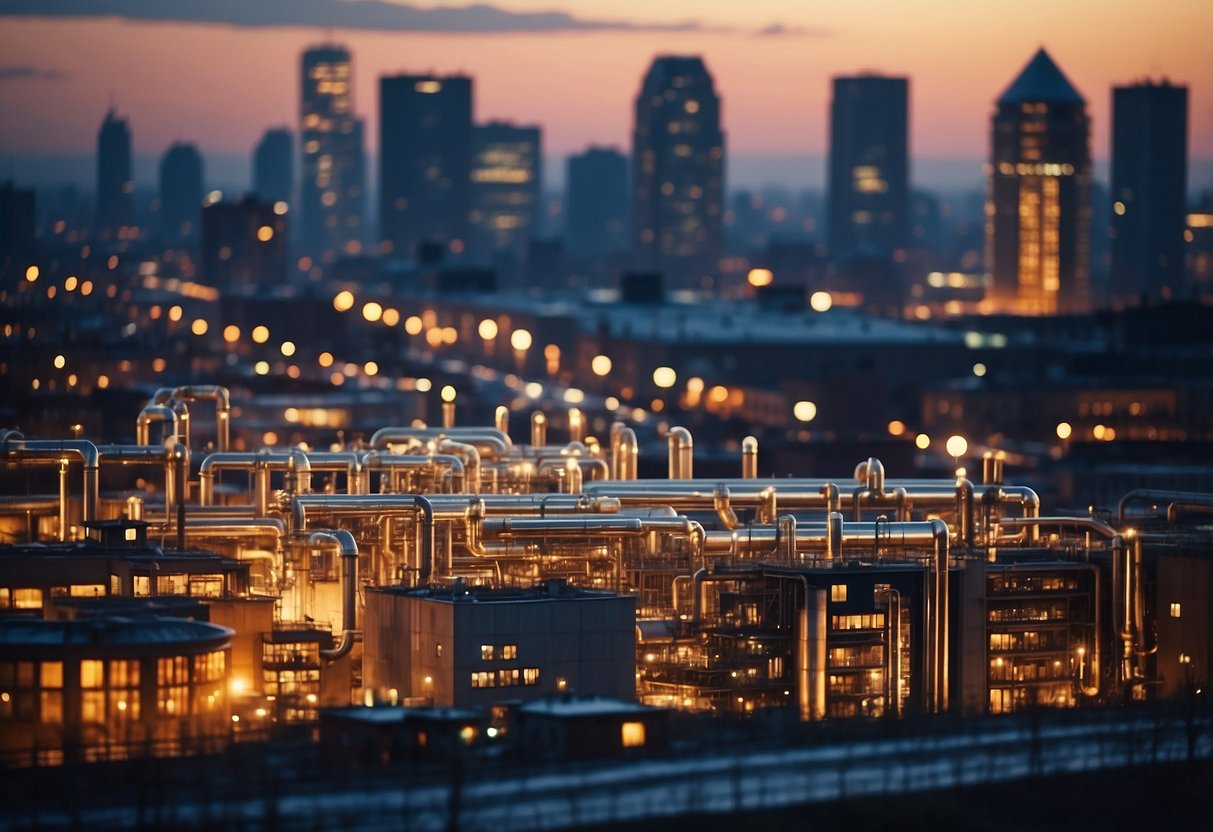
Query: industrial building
{"points": [[454, 566]]}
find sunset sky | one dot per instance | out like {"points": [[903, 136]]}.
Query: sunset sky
{"points": [[221, 83]]}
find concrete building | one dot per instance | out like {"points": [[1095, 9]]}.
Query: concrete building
{"points": [[1149, 190], [425, 153], [181, 196], [244, 244], [115, 182], [469, 646], [869, 166], [274, 166], [596, 203]]}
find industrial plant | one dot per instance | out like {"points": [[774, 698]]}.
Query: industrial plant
{"points": [[174, 595]]}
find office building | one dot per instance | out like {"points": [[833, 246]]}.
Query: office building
{"points": [[1149, 185], [332, 188], [596, 203], [678, 174], [869, 171], [506, 195], [17, 223], [180, 195], [425, 151], [1039, 210], [115, 184], [273, 166]]}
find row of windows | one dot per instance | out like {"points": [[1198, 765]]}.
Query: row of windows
{"points": [[505, 678], [1031, 640], [1032, 612], [1031, 583], [866, 621], [503, 652]]}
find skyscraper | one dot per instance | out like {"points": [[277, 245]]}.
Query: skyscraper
{"points": [[678, 173], [17, 224], [273, 171], [596, 203], [1039, 209], [1149, 187], [425, 152], [115, 187], [506, 195], [180, 195], [332, 189], [869, 173]]}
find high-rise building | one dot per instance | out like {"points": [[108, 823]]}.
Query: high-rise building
{"points": [[273, 169], [869, 171], [1149, 189], [115, 186], [678, 173], [332, 188], [1039, 209], [506, 204], [425, 153], [596, 203], [17, 241], [180, 195], [244, 244]]}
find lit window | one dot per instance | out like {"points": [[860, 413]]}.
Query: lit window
{"points": [[838, 592], [1175, 611], [509, 651], [486, 652], [633, 734]]}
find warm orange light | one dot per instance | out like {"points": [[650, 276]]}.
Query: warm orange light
{"points": [[265, 233], [325, 359], [760, 277], [520, 339], [897, 427], [601, 365], [231, 333], [199, 326], [261, 334], [372, 311], [343, 301], [487, 329]]}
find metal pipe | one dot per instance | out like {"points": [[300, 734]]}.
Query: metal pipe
{"points": [[681, 453], [343, 541], [834, 536], [724, 511], [206, 392], [1176, 500], [51, 451], [151, 414], [892, 686], [749, 458], [629, 452], [492, 444], [539, 429], [471, 462], [347, 462], [63, 498], [576, 424], [501, 420], [448, 415]]}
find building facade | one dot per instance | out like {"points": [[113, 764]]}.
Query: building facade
{"points": [[244, 244], [466, 646], [869, 169], [507, 204], [678, 174], [425, 151], [115, 183], [1039, 210], [273, 166], [1149, 189], [596, 203], [180, 195], [332, 187]]}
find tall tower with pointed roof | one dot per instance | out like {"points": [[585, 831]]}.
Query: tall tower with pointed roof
{"points": [[1038, 213]]}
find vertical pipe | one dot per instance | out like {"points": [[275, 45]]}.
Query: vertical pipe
{"points": [[681, 453], [448, 414], [893, 652], [616, 438], [576, 424], [134, 507], [539, 429], [501, 419], [834, 536], [63, 498], [749, 458], [815, 628], [629, 453]]}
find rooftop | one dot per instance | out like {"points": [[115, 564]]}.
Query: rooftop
{"points": [[1041, 80]]}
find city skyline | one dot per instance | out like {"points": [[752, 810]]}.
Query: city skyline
{"points": [[774, 87]]}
